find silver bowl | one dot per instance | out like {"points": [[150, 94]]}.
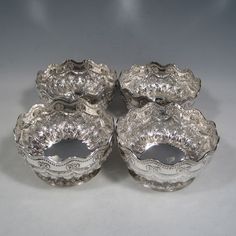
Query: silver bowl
{"points": [[154, 125], [72, 80], [161, 84], [45, 125]]}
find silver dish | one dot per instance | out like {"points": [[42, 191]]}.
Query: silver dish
{"points": [[72, 80], [45, 125], [185, 129], [156, 83]]}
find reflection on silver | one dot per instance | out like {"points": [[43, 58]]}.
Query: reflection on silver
{"points": [[181, 128], [67, 148], [72, 80], [46, 125], [157, 83], [164, 153]]}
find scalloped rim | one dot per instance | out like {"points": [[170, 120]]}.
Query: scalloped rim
{"points": [[29, 115], [100, 94], [68, 160], [170, 65], [157, 162]]}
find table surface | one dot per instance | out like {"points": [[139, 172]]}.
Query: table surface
{"points": [[200, 35]]}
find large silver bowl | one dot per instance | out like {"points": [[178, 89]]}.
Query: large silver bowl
{"points": [[184, 129], [45, 125]]}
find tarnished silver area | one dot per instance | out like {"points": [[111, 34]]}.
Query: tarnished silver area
{"points": [[45, 125], [153, 124], [72, 80], [157, 83]]}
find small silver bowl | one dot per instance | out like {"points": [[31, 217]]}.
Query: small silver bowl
{"points": [[72, 80], [186, 131], [161, 84], [46, 125]]}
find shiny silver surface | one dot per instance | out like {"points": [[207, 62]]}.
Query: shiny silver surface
{"points": [[199, 35], [153, 124], [45, 125], [157, 83], [72, 80]]}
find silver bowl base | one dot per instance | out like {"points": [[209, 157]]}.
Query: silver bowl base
{"points": [[62, 182], [162, 187]]}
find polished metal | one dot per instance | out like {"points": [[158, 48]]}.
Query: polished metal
{"points": [[46, 125], [154, 124], [72, 80], [76, 95], [156, 83]]}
